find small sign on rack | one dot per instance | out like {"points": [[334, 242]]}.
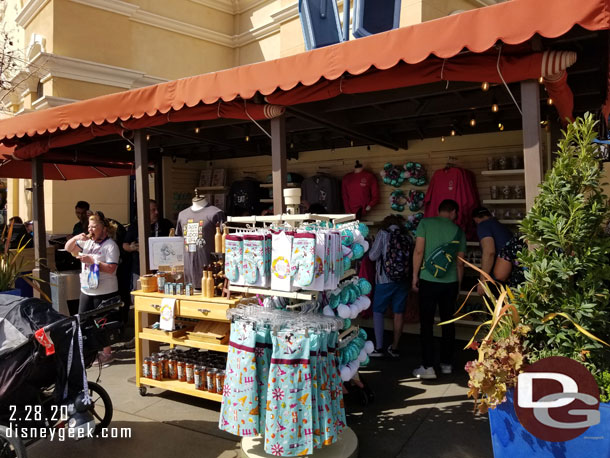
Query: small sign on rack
{"points": [[167, 314]]}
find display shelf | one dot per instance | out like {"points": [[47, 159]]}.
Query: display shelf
{"points": [[503, 201], [270, 185], [196, 297], [510, 221], [181, 387], [271, 292], [212, 188], [342, 218], [503, 172], [184, 341]]}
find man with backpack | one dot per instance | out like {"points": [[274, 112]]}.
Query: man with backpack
{"points": [[392, 252], [437, 274]]}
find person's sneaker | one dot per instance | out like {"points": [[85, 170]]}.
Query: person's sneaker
{"points": [[377, 353], [393, 352], [446, 369], [424, 373], [104, 359]]}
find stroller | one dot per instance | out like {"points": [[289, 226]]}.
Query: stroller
{"points": [[43, 383]]}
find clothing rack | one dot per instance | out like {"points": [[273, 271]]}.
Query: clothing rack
{"points": [[348, 335], [334, 219]]}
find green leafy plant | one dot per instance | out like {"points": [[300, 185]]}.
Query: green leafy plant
{"points": [[12, 262], [566, 296], [603, 381]]}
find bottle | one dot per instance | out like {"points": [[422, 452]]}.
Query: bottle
{"points": [[172, 232], [218, 240], [204, 282], [225, 232], [210, 285]]}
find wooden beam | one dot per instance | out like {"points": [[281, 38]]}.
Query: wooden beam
{"points": [[278, 162], [40, 237], [159, 184], [532, 145], [340, 127], [142, 197]]}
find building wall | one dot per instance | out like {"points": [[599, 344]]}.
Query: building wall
{"points": [[155, 41]]}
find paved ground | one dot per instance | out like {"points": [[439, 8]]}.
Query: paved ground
{"points": [[408, 418]]}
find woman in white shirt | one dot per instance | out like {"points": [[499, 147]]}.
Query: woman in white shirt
{"points": [[99, 255]]}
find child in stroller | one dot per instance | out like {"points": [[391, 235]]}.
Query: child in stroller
{"points": [[43, 384]]}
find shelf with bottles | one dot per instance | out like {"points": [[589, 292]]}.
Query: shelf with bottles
{"points": [[503, 172]]}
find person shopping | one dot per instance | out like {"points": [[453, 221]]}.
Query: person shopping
{"points": [[99, 255], [392, 252], [437, 274]]}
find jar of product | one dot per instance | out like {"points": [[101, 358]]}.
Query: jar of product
{"points": [[197, 377], [179, 288], [146, 367], [172, 368], [188, 289], [220, 381], [211, 380], [165, 365], [190, 372], [204, 377], [154, 369], [161, 282], [159, 369], [181, 370]]}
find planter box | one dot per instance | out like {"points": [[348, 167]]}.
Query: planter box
{"points": [[511, 440]]}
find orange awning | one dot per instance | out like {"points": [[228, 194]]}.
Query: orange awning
{"points": [[512, 23]]}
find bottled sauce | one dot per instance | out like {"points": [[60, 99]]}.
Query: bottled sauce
{"points": [[172, 369], [220, 381], [146, 367], [197, 377], [218, 240], [154, 369], [165, 365], [204, 378], [181, 370], [190, 372], [211, 380]]}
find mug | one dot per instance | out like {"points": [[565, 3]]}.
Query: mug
{"points": [[506, 192], [502, 163]]}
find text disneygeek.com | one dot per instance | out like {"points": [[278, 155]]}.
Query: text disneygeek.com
{"points": [[61, 434]]}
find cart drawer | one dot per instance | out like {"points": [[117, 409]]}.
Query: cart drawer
{"points": [[201, 310], [150, 304]]}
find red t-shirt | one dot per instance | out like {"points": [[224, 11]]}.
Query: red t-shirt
{"points": [[359, 190]]}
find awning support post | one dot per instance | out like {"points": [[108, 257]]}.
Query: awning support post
{"points": [[142, 197], [532, 145], [40, 236], [278, 162]]}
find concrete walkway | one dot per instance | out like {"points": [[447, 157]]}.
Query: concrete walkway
{"points": [[408, 418]]}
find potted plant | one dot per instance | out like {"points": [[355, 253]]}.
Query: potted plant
{"points": [[13, 265], [559, 310]]}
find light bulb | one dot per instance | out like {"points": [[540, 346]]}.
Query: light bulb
{"points": [[495, 108], [291, 145], [128, 147], [196, 130], [443, 139], [541, 80], [549, 101], [453, 132], [148, 138], [485, 86], [247, 138], [473, 122], [500, 126], [351, 143]]}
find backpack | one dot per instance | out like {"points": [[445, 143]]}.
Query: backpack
{"points": [[439, 261], [397, 262]]}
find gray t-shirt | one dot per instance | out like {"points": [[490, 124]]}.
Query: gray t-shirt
{"points": [[198, 229]]}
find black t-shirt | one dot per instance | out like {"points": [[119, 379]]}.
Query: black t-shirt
{"points": [[159, 229]]}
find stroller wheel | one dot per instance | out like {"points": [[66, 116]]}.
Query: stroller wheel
{"points": [[11, 447], [142, 390], [101, 406]]}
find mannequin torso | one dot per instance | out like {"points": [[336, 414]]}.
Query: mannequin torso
{"points": [[199, 203]]}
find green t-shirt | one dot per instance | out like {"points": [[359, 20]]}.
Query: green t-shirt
{"points": [[436, 231]]}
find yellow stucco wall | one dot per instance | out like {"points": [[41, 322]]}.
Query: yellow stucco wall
{"points": [[78, 90]]}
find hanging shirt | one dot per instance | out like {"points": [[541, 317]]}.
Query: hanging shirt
{"points": [[324, 190], [459, 185], [359, 190], [244, 197], [198, 228]]}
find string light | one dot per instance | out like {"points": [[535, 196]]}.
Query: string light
{"points": [[453, 132], [549, 101], [495, 108], [128, 147], [500, 126], [473, 121], [351, 143], [196, 130], [541, 80], [291, 145], [247, 138], [443, 139], [485, 86], [147, 138]]}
